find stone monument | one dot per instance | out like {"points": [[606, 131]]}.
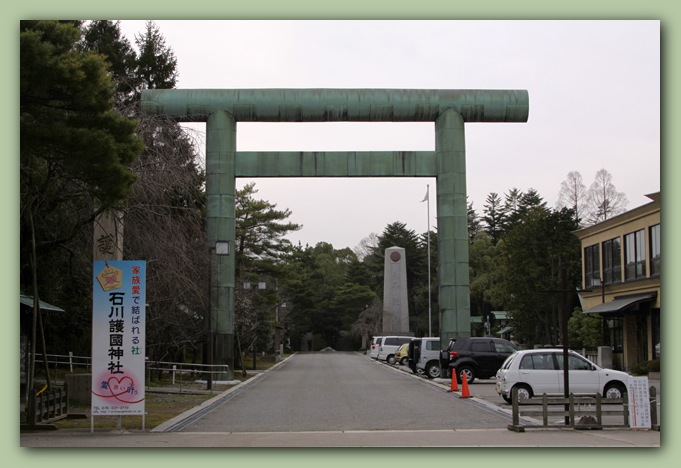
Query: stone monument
{"points": [[395, 305]]}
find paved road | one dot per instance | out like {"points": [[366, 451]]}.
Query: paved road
{"points": [[344, 400], [344, 392]]}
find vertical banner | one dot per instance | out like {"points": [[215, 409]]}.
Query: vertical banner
{"points": [[118, 337], [639, 403]]}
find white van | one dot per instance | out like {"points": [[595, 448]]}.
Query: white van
{"points": [[388, 346], [373, 348], [424, 356]]}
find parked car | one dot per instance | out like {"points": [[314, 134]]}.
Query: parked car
{"points": [[477, 357], [401, 355], [388, 346], [538, 371], [424, 356], [373, 349]]}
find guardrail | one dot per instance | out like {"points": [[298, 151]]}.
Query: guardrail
{"points": [[579, 412]]}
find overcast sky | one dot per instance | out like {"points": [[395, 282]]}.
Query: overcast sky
{"points": [[594, 89]]}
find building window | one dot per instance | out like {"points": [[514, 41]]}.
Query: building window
{"points": [[634, 255], [655, 250], [612, 261], [592, 267], [615, 334]]}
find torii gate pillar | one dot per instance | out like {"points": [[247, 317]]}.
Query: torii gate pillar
{"points": [[452, 228], [220, 231]]}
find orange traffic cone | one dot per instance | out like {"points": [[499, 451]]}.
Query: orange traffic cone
{"points": [[454, 386], [464, 387]]}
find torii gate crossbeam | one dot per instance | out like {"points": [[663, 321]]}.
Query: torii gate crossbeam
{"points": [[221, 109]]}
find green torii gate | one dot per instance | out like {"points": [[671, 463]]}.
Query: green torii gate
{"points": [[221, 109]]}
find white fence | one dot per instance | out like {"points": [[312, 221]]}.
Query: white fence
{"points": [[176, 371]]}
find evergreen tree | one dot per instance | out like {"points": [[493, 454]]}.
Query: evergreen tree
{"points": [[105, 37], [512, 208], [75, 154], [474, 225], [157, 64], [534, 252], [483, 264], [260, 231], [68, 127], [322, 302], [584, 330], [493, 216]]}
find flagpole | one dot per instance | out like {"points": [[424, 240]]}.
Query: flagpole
{"points": [[430, 326]]}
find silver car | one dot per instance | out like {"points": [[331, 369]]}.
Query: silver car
{"points": [[538, 371]]}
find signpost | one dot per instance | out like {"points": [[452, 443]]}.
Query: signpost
{"points": [[639, 403]]}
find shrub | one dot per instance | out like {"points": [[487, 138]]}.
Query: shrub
{"points": [[645, 367]]}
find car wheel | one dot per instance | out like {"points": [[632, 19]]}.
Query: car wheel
{"points": [[524, 392], [614, 390], [469, 372], [390, 359], [433, 370], [404, 361]]}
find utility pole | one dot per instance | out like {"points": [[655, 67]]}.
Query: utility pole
{"points": [[564, 316]]}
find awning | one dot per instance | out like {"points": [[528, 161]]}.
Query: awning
{"points": [[620, 303], [28, 301], [504, 330], [500, 314]]}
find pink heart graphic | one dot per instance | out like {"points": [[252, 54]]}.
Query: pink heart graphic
{"points": [[119, 389]]}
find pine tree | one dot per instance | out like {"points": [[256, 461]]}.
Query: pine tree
{"points": [[75, 153], [260, 230]]}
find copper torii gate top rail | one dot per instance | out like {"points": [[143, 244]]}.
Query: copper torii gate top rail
{"points": [[338, 105], [221, 109]]}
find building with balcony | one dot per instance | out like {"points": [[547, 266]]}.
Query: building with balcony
{"points": [[621, 281]]}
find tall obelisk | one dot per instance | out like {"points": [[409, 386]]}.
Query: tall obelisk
{"points": [[395, 305]]}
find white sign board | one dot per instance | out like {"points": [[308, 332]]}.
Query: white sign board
{"points": [[639, 403]]}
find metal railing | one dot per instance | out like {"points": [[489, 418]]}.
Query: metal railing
{"points": [[177, 372], [57, 361]]}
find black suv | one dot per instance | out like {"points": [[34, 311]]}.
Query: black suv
{"points": [[477, 357]]}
